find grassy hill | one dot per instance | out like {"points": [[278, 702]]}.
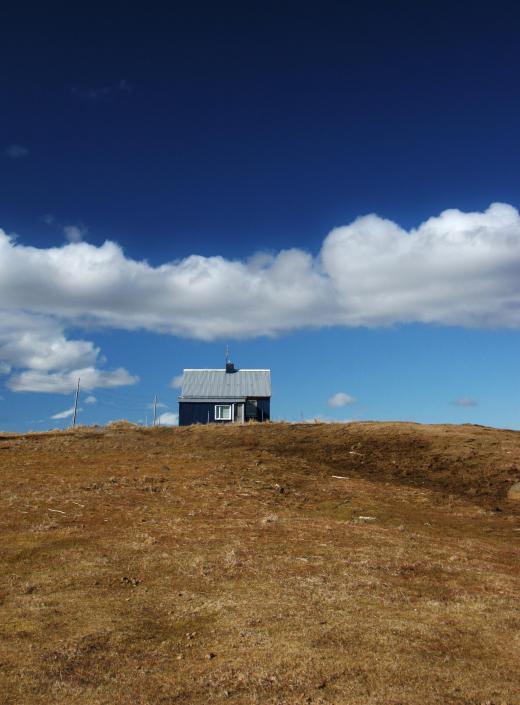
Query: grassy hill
{"points": [[361, 563]]}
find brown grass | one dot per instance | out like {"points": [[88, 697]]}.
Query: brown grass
{"points": [[227, 564]]}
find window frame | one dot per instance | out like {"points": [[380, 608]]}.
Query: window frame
{"points": [[218, 412]]}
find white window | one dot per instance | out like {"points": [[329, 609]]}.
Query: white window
{"points": [[223, 412]]}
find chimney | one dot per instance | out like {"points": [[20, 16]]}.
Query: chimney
{"points": [[230, 367]]}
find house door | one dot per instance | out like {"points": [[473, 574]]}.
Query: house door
{"points": [[251, 409], [239, 415]]}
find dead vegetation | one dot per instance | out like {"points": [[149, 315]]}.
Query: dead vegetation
{"points": [[266, 564]]}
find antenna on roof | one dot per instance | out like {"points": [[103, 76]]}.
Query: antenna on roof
{"points": [[230, 367]]}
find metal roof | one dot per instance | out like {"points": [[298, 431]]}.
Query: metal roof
{"points": [[215, 400], [211, 384]]}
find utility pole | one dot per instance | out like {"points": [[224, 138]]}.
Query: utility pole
{"points": [[154, 409], [76, 405]]}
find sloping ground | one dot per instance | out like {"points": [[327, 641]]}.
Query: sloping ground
{"points": [[208, 565]]}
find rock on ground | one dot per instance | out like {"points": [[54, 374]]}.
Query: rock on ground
{"points": [[514, 492]]}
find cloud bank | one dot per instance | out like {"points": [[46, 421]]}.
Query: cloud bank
{"points": [[456, 269]]}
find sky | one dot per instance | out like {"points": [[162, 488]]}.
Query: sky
{"points": [[330, 189]]}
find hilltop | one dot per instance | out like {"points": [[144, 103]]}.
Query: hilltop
{"points": [[367, 563]]}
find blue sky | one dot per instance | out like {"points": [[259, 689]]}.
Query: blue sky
{"points": [[197, 137]]}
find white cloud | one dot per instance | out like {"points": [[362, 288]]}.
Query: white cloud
{"points": [[64, 414], [91, 399], [75, 233], [42, 359], [16, 151], [177, 381], [38, 342], [63, 382], [168, 419], [455, 269], [465, 402], [340, 399]]}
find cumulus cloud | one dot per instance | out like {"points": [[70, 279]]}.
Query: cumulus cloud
{"points": [[340, 399], [177, 381], [168, 419], [464, 402], [455, 269], [16, 151], [38, 342], [91, 399], [36, 350]]}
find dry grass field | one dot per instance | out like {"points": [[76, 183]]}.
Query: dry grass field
{"points": [[361, 563]]}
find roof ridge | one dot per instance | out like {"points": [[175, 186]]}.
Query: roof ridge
{"points": [[220, 369]]}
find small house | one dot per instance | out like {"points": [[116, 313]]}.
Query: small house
{"points": [[228, 395]]}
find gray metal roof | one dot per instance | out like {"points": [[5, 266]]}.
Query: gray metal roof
{"points": [[215, 400], [211, 384]]}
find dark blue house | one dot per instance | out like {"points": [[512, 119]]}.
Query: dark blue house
{"points": [[225, 396]]}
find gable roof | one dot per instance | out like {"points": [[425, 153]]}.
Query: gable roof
{"points": [[211, 384]]}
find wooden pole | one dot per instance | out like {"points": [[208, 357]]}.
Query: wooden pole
{"points": [[75, 406]]}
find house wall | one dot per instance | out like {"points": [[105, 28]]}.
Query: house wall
{"points": [[263, 409], [191, 412]]}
